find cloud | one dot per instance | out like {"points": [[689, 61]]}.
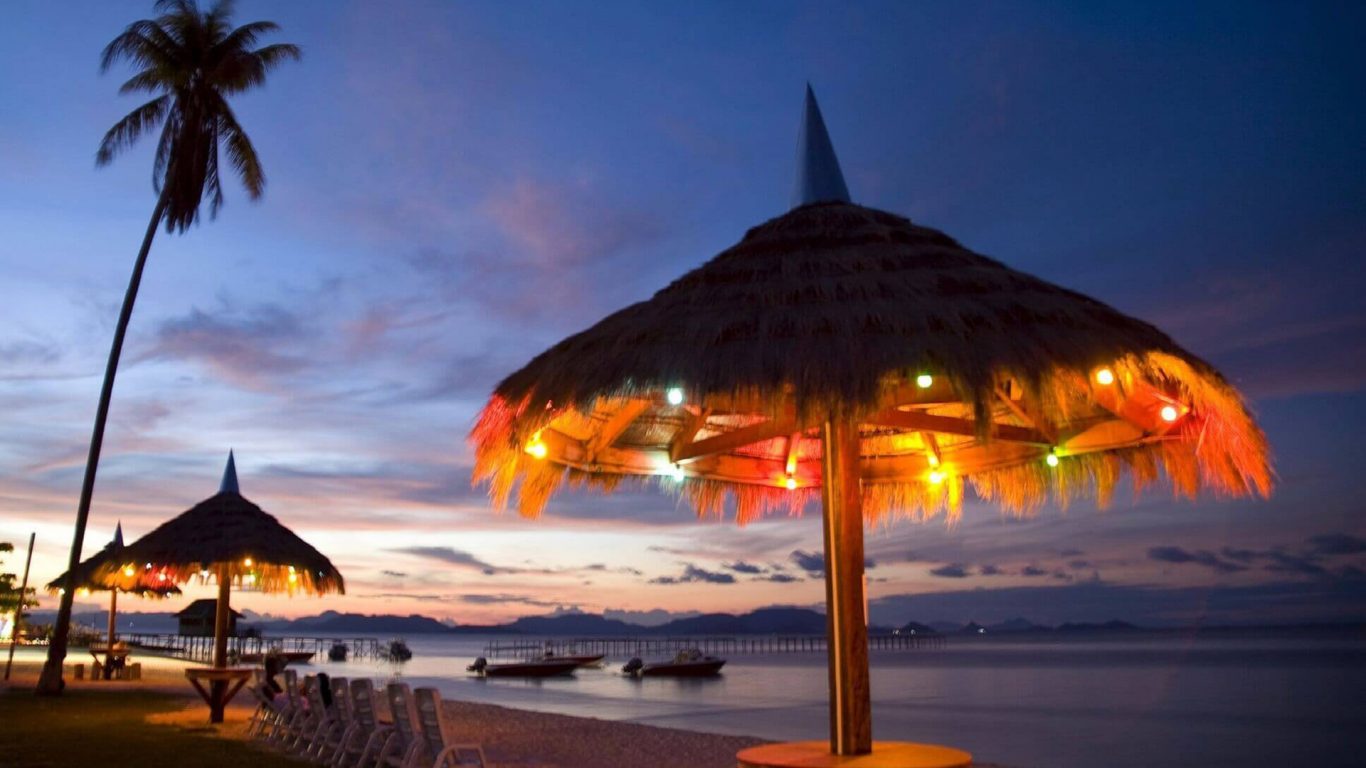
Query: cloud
{"points": [[692, 573], [811, 562], [393, 574], [741, 566], [950, 571], [814, 562], [990, 570], [1307, 565], [505, 599], [1173, 554], [243, 347], [454, 557], [778, 578], [1032, 570], [1336, 544]]}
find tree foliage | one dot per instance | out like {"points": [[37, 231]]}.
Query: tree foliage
{"points": [[192, 61], [9, 588]]}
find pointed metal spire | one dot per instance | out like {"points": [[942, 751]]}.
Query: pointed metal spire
{"points": [[118, 534], [819, 179], [229, 484]]}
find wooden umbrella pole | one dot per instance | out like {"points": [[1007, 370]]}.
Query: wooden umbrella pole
{"points": [[851, 713], [218, 698], [109, 647]]}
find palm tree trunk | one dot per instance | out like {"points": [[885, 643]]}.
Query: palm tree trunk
{"points": [[50, 683]]}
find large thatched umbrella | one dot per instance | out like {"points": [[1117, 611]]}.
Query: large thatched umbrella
{"points": [[844, 353], [229, 539], [143, 584]]}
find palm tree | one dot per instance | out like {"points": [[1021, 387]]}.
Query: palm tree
{"points": [[193, 62]]}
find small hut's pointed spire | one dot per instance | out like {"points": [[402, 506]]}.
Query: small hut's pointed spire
{"points": [[118, 534], [229, 484], [819, 179]]}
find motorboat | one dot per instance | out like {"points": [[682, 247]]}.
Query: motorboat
{"points": [[289, 657], [529, 668], [338, 651], [688, 663], [397, 651]]}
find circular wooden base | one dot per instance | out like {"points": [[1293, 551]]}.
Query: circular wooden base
{"points": [[886, 754]]}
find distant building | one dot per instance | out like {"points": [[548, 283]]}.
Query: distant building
{"points": [[197, 619]]}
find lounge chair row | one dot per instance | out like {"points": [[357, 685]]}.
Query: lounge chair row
{"points": [[348, 734]]}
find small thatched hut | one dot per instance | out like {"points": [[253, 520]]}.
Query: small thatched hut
{"points": [[196, 620]]}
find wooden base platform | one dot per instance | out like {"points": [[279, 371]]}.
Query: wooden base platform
{"points": [[886, 754]]}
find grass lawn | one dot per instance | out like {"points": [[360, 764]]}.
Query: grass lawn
{"points": [[112, 728]]}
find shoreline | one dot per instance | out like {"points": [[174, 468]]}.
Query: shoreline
{"points": [[510, 737]]}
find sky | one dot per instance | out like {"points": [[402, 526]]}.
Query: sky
{"points": [[453, 187]]}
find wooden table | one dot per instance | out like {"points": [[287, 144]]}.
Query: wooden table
{"points": [[886, 754], [105, 655], [224, 683]]}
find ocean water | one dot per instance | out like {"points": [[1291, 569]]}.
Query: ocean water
{"points": [[1151, 701]]}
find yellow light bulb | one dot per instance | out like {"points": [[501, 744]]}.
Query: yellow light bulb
{"points": [[924, 381], [293, 577], [677, 473], [674, 396], [247, 562], [936, 477], [1105, 377], [537, 449], [1051, 460], [128, 570], [1169, 413], [791, 483]]}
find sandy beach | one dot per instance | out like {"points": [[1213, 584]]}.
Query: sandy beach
{"points": [[510, 737]]}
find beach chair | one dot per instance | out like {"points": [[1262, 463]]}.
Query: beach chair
{"points": [[294, 714], [439, 749], [365, 737], [327, 738], [401, 746], [263, 716], [305, 729]]}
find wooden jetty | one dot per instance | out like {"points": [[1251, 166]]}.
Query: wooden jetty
{"points": [[627, 647], [197, 648]]}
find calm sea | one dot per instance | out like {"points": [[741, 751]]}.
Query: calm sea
{"points": [[1161, 700]]}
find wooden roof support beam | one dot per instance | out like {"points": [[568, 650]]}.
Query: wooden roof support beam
{"points": [[614, 426], [729, 441], [1027, 413], [949, 425], [932, 453], [692, 422]]}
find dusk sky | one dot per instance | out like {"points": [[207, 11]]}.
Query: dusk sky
{"points": [[453, 187]]}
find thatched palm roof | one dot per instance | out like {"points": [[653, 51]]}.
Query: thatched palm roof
{"points": [[227, 531], [88, 572], [839, 308]]}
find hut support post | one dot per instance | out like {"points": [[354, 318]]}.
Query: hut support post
{"points": [[109, 646], [851, 714], [220, 644]]}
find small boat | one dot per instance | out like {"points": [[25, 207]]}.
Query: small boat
{"points": [[397, 650], [530, 668], [338, 651], [688, 663], [289, 657]]}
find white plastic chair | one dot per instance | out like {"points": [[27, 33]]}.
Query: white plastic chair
{"points": [[439, 747]]}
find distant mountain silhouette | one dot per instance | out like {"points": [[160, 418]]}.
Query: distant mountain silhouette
{"points": [[916, 628], [1113, 625], [332, 621], [572, 624], [1017, 625]]}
